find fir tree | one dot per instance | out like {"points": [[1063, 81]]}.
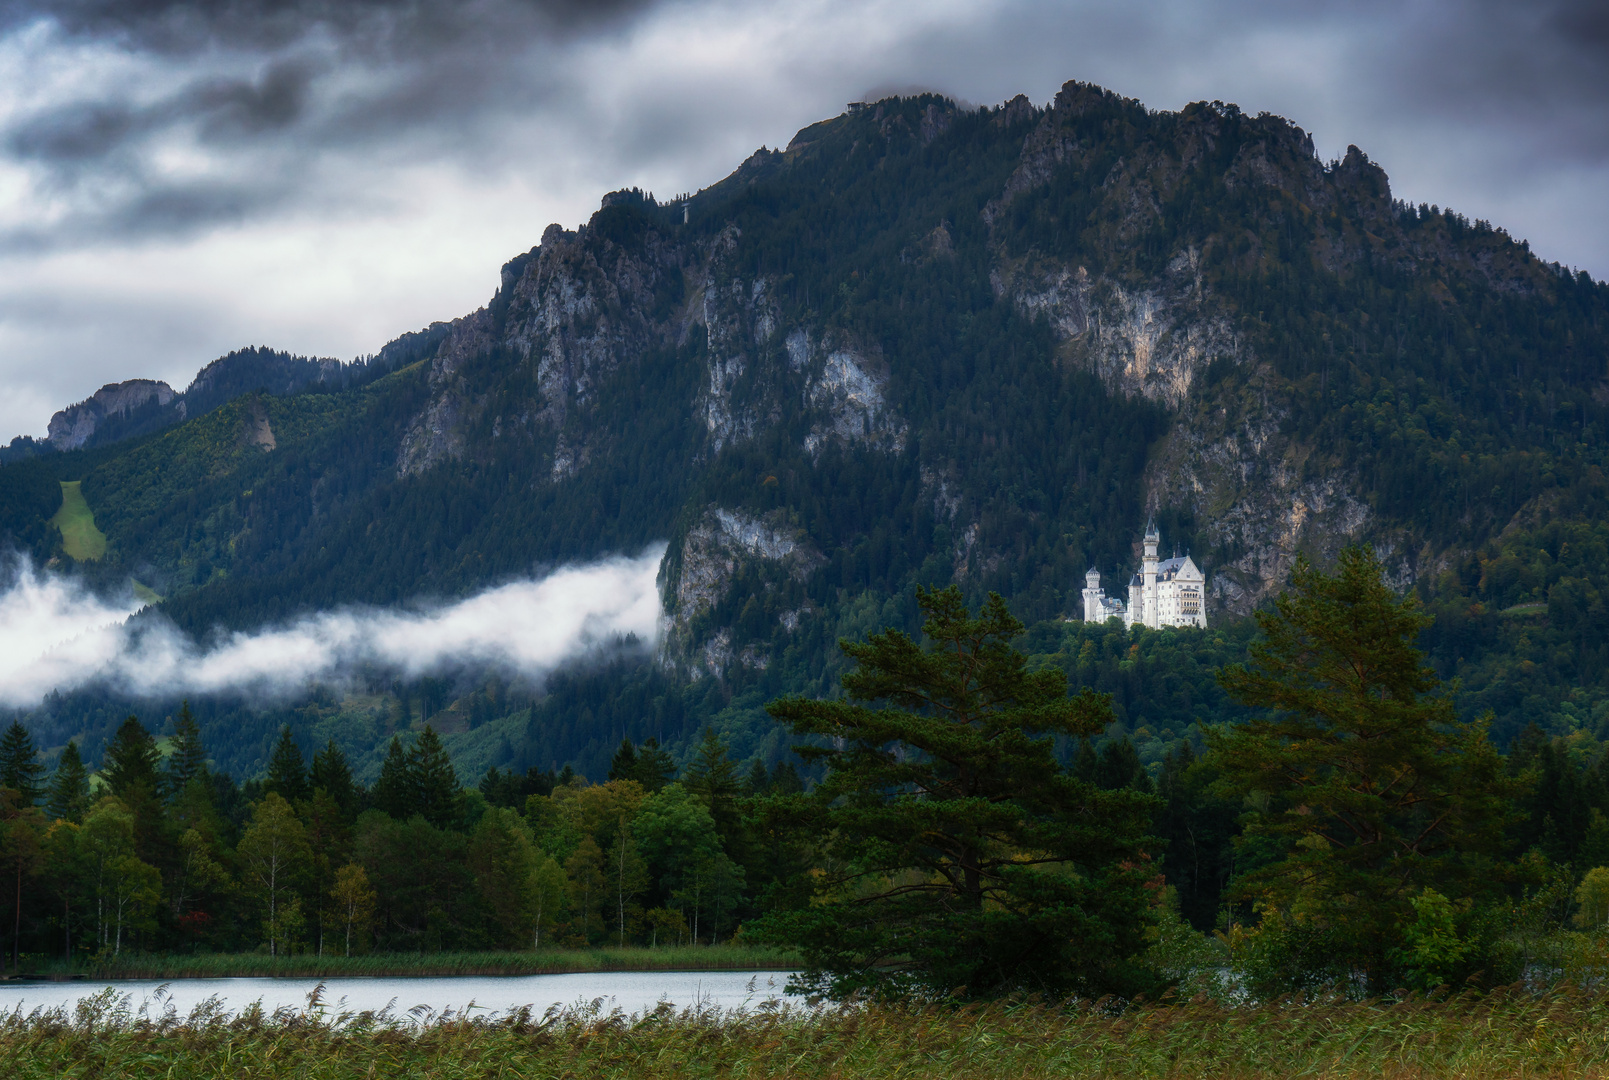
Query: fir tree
{"points": [[393, 791], [129, 765], [436, 791], [189, 758], [1367, 784], [287, 771], [713, 777], [960, 856], [623, 766], [20, 767], [130, 769], [655, 768], [68, 797], [332, 774]]}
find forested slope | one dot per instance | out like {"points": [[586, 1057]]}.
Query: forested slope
{"points": [[920, 344]]}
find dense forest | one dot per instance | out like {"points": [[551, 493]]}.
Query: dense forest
{"points": [[1085, 871]]}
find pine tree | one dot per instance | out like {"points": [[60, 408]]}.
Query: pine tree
{"points": [[655, 767], [332, 774], [623, 766], [713, 777], [189, 758], [961, 857], [759, 781], [129, 768], [649, 765], [129, 765], [437, 793], [1368, 786], [20, 767], [287, 770], [68, 798], [393, 791]]}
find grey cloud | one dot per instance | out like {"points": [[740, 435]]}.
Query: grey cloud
{"points": [[187, 26]]}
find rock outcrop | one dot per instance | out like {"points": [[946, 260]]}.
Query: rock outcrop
{"points": [[74, 426]]}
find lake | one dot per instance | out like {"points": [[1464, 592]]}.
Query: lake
{"points": [[632, 991]]}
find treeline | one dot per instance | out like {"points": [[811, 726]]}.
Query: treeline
{"points": [[161, 853]]}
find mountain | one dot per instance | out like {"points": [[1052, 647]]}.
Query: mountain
{"points": [[924, 344]]}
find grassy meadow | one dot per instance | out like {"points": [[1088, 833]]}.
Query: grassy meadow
{"points": [[530, 962], [79, 536], [1504, 1035]]}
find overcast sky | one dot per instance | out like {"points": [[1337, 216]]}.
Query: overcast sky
{"points": [[180, 179]]}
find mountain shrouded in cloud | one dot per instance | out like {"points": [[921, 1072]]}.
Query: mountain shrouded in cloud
{"points": [[922, 343]]}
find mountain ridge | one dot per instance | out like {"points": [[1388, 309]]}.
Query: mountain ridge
{"points": [[920, 344]]}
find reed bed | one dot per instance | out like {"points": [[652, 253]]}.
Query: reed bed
{"points": [[534, 962], [1510, 1034]]}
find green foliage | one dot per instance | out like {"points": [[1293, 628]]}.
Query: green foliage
{"points": [[80, 539], [68, 797], [1361, 776], [287, 771], [960, 856], [20, 767]]}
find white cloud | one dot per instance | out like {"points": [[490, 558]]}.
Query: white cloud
{"points": [[56, 636]]}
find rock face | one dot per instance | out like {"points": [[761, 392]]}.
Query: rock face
{"points": [[701, 573], [76, 425]]}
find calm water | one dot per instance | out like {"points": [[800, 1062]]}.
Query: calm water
{"points": [[633, 991]]}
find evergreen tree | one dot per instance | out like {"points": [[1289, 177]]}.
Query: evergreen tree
{"points": [[1365, 781], [713, 777], [759, 781], [623, 766], [68, 799], [189, 758], [436, 791], [130, 769], [129, 765], [20, 767], [287, 770], [960, 857], [393, 791], [655, 767], [648, 764], [332, 774]]}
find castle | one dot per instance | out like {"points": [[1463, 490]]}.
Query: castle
{"points": [[1169, 592]]}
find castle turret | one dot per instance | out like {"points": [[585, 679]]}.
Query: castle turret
{"points": [[1094, 598], [1149, 616]]}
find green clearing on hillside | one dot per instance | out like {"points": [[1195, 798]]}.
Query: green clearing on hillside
{"points": [[79, 536], [146, 595]]}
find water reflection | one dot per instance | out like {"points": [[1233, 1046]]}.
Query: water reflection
{"points": [[631, 991]]}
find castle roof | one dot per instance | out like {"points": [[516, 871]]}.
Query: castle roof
{"points": [[1168, 569]]}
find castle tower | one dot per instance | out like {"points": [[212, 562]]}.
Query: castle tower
{"points": [[1149, 615], [1093, 596]]}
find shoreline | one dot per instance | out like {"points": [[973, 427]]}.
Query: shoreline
{"points": [[423, 965]]}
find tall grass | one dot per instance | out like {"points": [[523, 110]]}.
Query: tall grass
{"points": [[1504, 1035], [536, 962]]}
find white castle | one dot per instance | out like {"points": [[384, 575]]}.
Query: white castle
{"points": [[1169, 592]]}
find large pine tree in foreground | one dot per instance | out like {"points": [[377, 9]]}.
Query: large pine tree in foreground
{"points": [[960, 857], [1365, 788]]}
